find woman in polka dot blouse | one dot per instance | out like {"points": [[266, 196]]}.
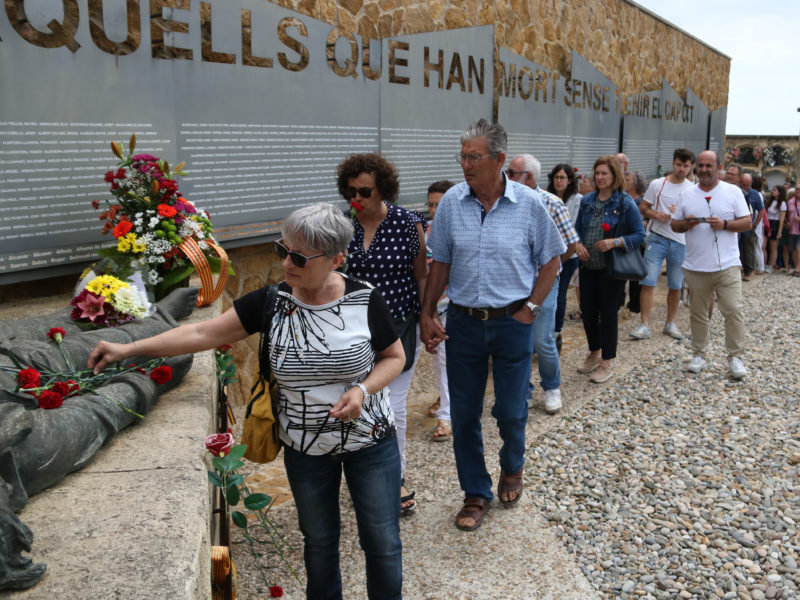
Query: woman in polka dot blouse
{"points": [[388, 251]]}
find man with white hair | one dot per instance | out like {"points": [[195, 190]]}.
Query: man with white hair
{"points": [[525, 169]]}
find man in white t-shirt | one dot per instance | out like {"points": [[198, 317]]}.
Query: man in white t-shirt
{"points": [[711, 214], [658, 205]]}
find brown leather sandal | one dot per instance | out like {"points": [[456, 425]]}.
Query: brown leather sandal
{"points": [[474, 508], [509, 482]]}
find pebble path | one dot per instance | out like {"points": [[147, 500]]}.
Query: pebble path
{"points": [[659, 484]]}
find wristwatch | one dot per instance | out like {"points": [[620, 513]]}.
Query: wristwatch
{"points": [[534, 308]]}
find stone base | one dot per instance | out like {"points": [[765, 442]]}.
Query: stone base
{"points": [[135, 522]]}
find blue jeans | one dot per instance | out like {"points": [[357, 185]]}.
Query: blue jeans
{"points": [[470, 344], [545, 343], [567, 269], [658, 248], [373, 478]]}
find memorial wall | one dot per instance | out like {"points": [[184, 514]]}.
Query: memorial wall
{"points": [[263, 100]]}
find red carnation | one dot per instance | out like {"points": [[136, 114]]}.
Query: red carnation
{"points": [[50, 399], [95, 204], [29, 378], [161, 374], [61, 388], [606, 227], [167, 211], [224, 347], [219, 443], [56, 334], [122, 228], [275, 591], [356, 205], [74, 386]]}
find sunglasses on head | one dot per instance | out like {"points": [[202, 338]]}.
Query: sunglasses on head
{"points": [[299, 260], [364, 192]]}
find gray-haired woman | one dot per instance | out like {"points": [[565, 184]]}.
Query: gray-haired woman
{"points": [[333, 350]]}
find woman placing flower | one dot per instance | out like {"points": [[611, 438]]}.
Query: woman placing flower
{"points": [[333, 350], [600, 212]]}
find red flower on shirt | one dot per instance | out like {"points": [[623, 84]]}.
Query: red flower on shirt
{"points": [[606, 227]]}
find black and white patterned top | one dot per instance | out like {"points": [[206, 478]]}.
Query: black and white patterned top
{"points": [[389, 262], [318, 352]]}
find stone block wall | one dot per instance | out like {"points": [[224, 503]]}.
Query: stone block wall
{"points": [[628, 44]]}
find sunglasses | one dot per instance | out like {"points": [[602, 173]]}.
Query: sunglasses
{"points": [[364, 192], [299, 260]]}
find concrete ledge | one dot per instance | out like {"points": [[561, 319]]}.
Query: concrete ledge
{"points": [[135, 522]]}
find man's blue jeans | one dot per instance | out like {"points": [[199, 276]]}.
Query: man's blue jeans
{"points": [[471, 342], [373, 478], [545, 343]]}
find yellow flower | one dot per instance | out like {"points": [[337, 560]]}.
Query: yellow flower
{"points": [[105, 285], [130, 243]]}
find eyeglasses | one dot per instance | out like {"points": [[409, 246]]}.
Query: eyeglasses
{"points": [[364, 192], [471, 158], [514, 174], [561, 177], [299, 260]]}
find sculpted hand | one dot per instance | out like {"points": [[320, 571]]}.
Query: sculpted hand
{"points": [[349, 405]]}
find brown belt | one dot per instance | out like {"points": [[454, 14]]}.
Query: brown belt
{"points": [[490, 313]]}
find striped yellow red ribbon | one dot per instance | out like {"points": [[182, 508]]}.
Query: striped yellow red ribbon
{"points": [[221, 565], [208, 291]]}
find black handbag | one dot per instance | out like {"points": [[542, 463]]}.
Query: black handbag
{"points": [[406, 329], [624, 265]]}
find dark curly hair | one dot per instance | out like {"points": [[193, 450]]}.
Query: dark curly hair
{"points": [[376, 165], [572, 186]]}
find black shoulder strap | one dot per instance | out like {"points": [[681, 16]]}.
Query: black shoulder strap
{"points": [[266, 322]]}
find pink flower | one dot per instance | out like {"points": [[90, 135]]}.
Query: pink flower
{"points": [[91, 307], [219, 443]]}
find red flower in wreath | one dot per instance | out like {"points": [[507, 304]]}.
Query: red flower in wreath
{"points": [[122, 229], [606, 227], [166, 211], [29, 378], [50, 399], [161, 374]]}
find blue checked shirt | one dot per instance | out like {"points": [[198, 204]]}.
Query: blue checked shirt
{"points": [[495, 263]]}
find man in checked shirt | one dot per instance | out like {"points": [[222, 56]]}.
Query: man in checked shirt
{"points": [[525, 169]]}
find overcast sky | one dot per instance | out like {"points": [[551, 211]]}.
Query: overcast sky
{"points": [[763, 41]]}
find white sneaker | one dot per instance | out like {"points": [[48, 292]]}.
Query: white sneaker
{"points": [[552, 401], [642, 332], [697, 364], [737, 368], [672, 331]]}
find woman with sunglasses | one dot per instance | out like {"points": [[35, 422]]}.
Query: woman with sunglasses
{"points": [[333, 350], [388, 250]]}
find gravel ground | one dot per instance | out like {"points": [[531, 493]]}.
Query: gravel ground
{"points": [[657, 484]]}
